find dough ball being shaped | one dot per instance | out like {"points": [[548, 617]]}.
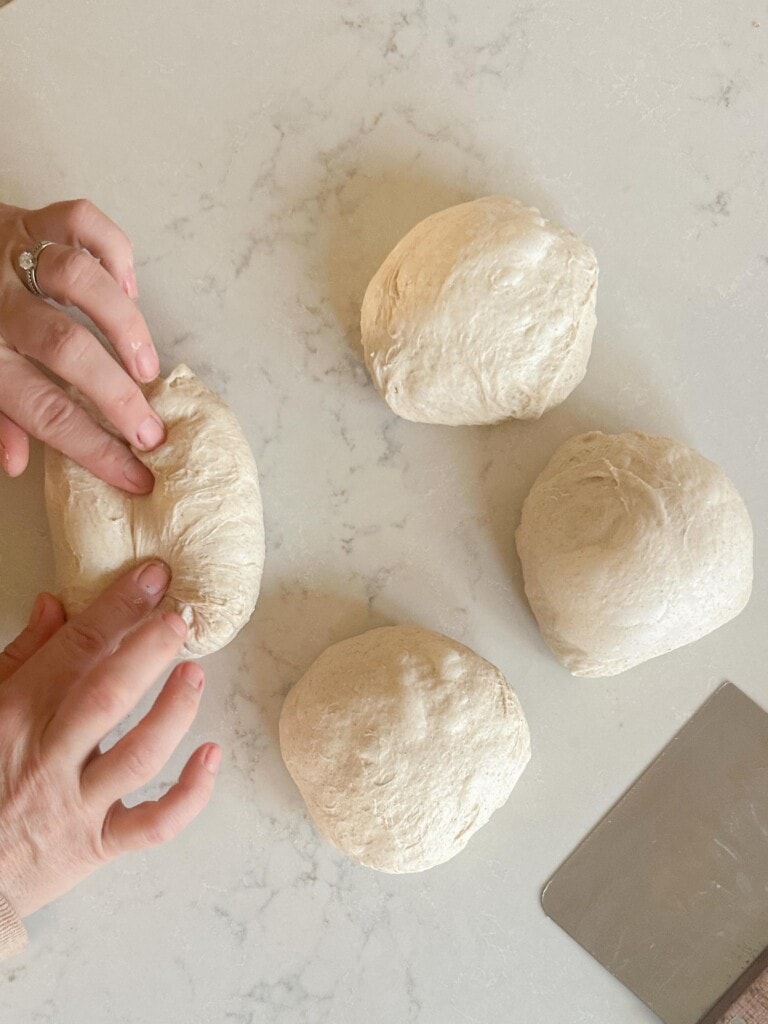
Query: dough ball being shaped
{"points": [[631, 546], [203, 518], [481, 312], [403, 743]]}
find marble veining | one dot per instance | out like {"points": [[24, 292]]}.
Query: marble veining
{"points": [[264, 161]]}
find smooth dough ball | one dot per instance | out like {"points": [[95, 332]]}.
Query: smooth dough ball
{"points": [[403, 743], [203, 518], [481, 312], [632, 546]]}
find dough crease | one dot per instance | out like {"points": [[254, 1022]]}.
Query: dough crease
{"points": [[203, 518]]}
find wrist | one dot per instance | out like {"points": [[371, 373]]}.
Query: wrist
{"points": [[13, 934], [14, 880]]}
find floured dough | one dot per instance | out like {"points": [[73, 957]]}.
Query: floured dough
{"points": [[632, 546], [204, 517], [403, 743], [481, 312]]}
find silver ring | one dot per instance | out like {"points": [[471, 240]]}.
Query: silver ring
{"points": [[28, 264]]}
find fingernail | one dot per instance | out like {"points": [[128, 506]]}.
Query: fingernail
{"points": [[193, 675], [147, 363], [138, 474], [36, 615], [177, 624], [154, 577], [3, 458], [130, 286], [212, 758], [151, 433]]}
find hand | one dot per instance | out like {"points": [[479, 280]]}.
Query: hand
{"points": [[91, 267], [63, 687]]}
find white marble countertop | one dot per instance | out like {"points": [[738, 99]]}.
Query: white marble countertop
{"points": [[264, 158]]}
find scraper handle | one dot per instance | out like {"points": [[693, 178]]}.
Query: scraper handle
{"points": [[752, 1005]]}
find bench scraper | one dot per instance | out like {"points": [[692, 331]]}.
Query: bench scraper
{"points": [[670, 891]]}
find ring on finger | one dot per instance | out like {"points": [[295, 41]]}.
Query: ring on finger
{"points": [[28, 266]]}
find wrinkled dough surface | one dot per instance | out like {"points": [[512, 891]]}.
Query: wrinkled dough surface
{"points": [[204, 517], [481, 312], [403, 743], [632, 546]]}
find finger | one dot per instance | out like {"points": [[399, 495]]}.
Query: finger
{"points": [[79, 223], [46, 412], [47, 616], [155, 822], [73, 353], [96, 632], [14, 447], [101, 700], [73, 278], [136, 758]]}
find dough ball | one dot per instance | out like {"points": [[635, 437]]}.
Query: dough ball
{"points": [[632, 546], [483, 311], [203, 517], [403, 743]]}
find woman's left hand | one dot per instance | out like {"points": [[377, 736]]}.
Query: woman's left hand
{"points": [[89, 266]]}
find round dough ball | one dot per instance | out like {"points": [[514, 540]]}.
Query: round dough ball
{"points": [[631, 546], [403, 743], [481, 312], [203, 518]]}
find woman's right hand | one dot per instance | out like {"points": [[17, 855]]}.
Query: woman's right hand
{"points": [[63, 687]]}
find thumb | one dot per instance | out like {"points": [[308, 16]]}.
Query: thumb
{"points": [[46, 617]]}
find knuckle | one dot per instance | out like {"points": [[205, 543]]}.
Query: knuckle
{"points": [[105, 701], [140, 762], [133, 324], [55, 412], [15, 712], [162, 831], [130, 396], [15, 652], [81, 213], [76, 271], [99, 840], [84, 639], [67, 343], [187, 700]]}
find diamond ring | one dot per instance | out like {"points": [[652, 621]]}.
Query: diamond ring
{"points": [[28, 264]]}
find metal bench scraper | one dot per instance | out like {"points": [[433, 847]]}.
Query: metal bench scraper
{"points": [[670, 890]]}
